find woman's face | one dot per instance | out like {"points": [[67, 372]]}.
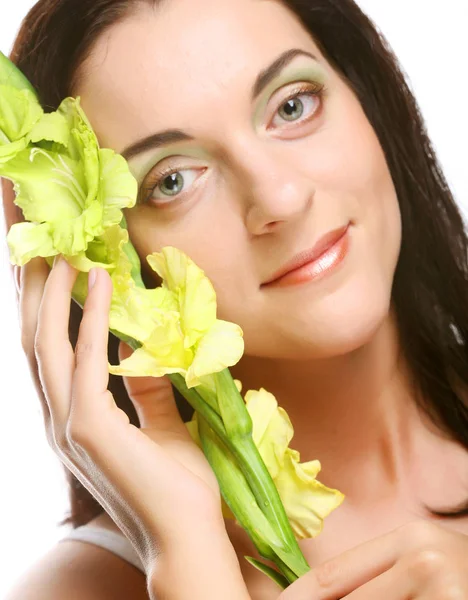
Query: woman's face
{"points": [[260, 179]]}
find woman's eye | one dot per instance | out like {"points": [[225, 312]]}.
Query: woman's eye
{"points": [[300, 106], [163, 188]]}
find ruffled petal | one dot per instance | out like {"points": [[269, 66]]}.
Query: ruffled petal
{"points": [[118, 188], [19, 112], [142, 364], [51, 127], [196, 295], [307, 501], [28, 240], [221, 347]]}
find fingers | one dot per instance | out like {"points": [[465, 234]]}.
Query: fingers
{"points": [[91, 347], [33, 277], [391, 585], [10, 210], [54, 352], [367, 562], [92, 368], [154, 402], [342, 574]]}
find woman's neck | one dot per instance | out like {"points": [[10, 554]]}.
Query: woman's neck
{"points": [[355, 413]]}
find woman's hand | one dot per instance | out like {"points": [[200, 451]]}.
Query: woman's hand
{"points": [[155, 482], [418, 561]]}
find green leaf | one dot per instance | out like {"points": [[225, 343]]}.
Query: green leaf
{"points": [[269, 571]]}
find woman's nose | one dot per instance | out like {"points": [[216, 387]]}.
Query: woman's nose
{"points": [[274, 188]]}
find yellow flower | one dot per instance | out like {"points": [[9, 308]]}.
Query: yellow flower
{"points": [[306, 501], [105, 251], [181, 333]]}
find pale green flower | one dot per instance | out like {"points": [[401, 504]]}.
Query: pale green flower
{"points": [[70, 194], [185, 336], [22, 119], [135, 311], [105, 251], [306, 501]]}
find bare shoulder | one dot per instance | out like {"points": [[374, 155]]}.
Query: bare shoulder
{"points": [[80, 571]]}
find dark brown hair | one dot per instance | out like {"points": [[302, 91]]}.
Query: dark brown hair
{"points": [[430, 288]]}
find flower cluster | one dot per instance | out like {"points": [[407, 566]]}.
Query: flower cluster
{"points": [[70, 191], [72, 194]]}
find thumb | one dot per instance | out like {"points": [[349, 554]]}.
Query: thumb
{"points": [[153, 399]]}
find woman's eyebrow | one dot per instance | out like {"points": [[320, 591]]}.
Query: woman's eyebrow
{"points": [[171, 136]]}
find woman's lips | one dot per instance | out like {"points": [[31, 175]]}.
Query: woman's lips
{"points": [[318, 267]]}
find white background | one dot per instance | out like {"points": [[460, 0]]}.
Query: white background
{"points": [[430, 43]]}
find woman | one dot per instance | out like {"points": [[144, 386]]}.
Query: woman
{"points": [[255, 129]]}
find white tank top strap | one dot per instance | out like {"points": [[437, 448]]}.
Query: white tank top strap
{"points": [[111, 540]]}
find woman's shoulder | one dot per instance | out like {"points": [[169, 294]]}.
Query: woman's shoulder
{"points": [[73, 568]]}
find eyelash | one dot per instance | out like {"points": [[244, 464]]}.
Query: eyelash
{"points": [[316, 90]]}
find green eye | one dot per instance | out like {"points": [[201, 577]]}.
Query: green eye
{"points": [[303, 100], [175, 184], [167, 185], [292, 109]]}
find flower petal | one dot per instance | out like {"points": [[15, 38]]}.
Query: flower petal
{"points": [[271, 428], [221, 347], [28, 240], [307, 502], [142, 364], [19, 112], [51, 127], [195, 293], [118, 188], [11, 75], [47, 187]]}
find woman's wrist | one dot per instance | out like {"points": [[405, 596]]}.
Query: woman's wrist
{"points": [[202, 566]]}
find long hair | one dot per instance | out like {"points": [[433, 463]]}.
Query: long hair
{"points": [[430, 288]]}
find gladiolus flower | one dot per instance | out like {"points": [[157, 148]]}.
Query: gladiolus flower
{"points": [[185, 336], [306, 501], [70, 193]]}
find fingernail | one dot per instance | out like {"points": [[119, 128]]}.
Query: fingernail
{"points": [[92, 276]]}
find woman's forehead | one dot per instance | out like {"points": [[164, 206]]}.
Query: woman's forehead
{"points": [[150, 64]]}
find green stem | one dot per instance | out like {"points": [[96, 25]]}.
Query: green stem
{"points": [[267, 496], [238, 424], [240, 499], [233, 408], [233, 486], [287, 553]]}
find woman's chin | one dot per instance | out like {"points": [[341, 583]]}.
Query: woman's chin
{"points": [[325, 335]]}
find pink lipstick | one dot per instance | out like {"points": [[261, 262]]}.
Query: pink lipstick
{"points": [[324, 257]]}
